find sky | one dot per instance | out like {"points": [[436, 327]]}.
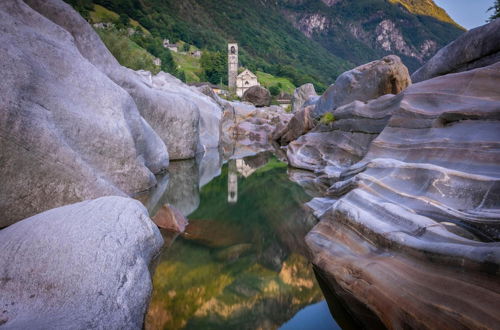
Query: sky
{"points": [[468, 13]]}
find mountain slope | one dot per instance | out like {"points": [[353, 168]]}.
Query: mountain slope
{"points": [[362, 30], [303, 40]]}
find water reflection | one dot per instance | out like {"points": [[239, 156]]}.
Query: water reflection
{"points": [[242, 261]]}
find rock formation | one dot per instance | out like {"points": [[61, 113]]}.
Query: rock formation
{"points": [[364, 83], [80, 124], [79, 266], [334, 147], [253, 126], [168, 217], [210, 111], [68, 132], [258, 96], [477, 48], [301, 95], [178, 129], [406, 210], [301, 123]]}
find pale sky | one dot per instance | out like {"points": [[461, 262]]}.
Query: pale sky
{"points": [[468, 13]]}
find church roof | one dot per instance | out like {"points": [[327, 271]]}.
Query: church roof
{"points": [[247, 72]]}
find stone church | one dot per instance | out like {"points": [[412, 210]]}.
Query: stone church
{"points": [[238, 82], [244, 81]]}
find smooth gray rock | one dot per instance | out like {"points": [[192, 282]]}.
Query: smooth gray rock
{"points": [[258, 96], [301, 95], [67, 131], [476, 48], [366, 82], [80, 266], [173, 116], [210, 111]]}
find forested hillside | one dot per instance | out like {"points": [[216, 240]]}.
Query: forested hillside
{"points": [[303, 40]]}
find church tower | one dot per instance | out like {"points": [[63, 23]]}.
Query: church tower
{"points": [[232, 65]]}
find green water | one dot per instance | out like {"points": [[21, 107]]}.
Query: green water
{"points": [[241, 262]]}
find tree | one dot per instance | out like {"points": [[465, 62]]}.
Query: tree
{"points": [[496, 10], [274, 90], [123, 21], [214, 65]]}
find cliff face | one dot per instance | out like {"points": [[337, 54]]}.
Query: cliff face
{"points": [[359, 31]]}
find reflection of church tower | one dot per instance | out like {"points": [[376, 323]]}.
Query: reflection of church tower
{"points": [[232, 65], [232, 182]]}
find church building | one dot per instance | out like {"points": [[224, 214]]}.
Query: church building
{"points": [[244, 81], [239, 83]]}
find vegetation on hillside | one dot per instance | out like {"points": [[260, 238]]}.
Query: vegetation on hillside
{"points": [[426, 8], [268, 43], [361, 17], [127, 52], [214, 65], [268, 36], [275, 84]]}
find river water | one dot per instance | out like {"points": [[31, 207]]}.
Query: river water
{"points": [[241, 263]]}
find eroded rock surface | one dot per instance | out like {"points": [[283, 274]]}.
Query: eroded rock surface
{"points": [[301, 95], [418, 215], [366, 82], [67, 131], [79, 266], [333, 147], [249, 125], [170, 112], [301, 123], [476, 48]]}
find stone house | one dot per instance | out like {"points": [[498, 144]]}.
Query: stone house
{"points": [[196, 53], [244, 81], [172, 47]]}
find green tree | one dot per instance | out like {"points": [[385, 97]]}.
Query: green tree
{"points": [[496, 10], [214, 65], [274, 90]]}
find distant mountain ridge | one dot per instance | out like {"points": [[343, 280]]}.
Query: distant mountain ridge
{"points": [[304, 40], [363, 30]]}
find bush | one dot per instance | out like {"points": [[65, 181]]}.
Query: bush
{"points": [[327, 118], [274, 90]]}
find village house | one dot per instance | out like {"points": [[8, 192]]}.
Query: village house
{"points": [[172, 47]]}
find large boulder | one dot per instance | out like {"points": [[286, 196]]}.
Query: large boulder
{"points": [[301, 95], [68, 132], [79, 266], [210, 111], [301, 123], [258, 96], [172, 114], [333, 147], [420, 210], [366, 82], [474, 49]]}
